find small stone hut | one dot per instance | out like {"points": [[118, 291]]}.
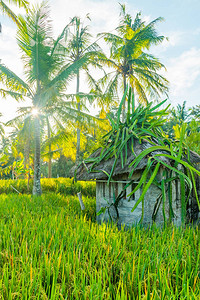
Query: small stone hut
{"points": [[153, 205]]}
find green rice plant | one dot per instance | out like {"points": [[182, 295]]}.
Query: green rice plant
{"points": [[50, 249], [65, 186]]}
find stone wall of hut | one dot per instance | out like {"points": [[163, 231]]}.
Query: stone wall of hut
{"points": [[105, 195], [153, 203]]}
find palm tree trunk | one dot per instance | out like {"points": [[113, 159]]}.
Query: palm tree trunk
{"points": [[49, 162], [124, 106], [37, 172], [26, 151], [29, 176], [26, 161], [78, 129]]}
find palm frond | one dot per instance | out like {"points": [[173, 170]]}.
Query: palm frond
{"points": [[14, 82], [6, 10], [17, 96], [135, 84]]}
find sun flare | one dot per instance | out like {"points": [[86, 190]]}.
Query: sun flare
{"points": [[35, 112]]}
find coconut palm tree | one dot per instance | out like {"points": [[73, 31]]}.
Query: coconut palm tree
{"points": [[129, 61], [177, 117], [180, 114], [46, 71], [195, 112], [78, 46]]}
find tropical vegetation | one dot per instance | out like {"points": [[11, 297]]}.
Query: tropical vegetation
{"points": [[130, 63], [49, 247], [55, 115], [78, 45], [145, 124], [50, 64], [47, 74]]}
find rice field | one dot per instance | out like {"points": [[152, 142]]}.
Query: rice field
{"points": [[64, 186], [50, 249]]}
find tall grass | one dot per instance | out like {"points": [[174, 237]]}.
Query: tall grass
{"points": [[49, 249], [59, 185]]}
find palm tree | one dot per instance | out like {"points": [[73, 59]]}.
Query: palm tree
{"points": [[23, 132], [129, 61], [58, 119], [195, 112], [180, 114], [79, 46], [46, 71], [177, 117]]}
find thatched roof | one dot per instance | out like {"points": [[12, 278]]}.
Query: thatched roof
{"points": [[82, 172]]}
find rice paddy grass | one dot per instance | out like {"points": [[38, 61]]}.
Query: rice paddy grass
{"points": [[50, 249], [65, 186]]}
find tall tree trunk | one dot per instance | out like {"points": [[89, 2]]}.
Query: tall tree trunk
{"points": [[50, 156], [37, 172], [29, 175], [26, 151], [124, 105], [27, 160], [78, 129]]}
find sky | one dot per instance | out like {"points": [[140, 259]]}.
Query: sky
{"points": [[180, 53]]}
